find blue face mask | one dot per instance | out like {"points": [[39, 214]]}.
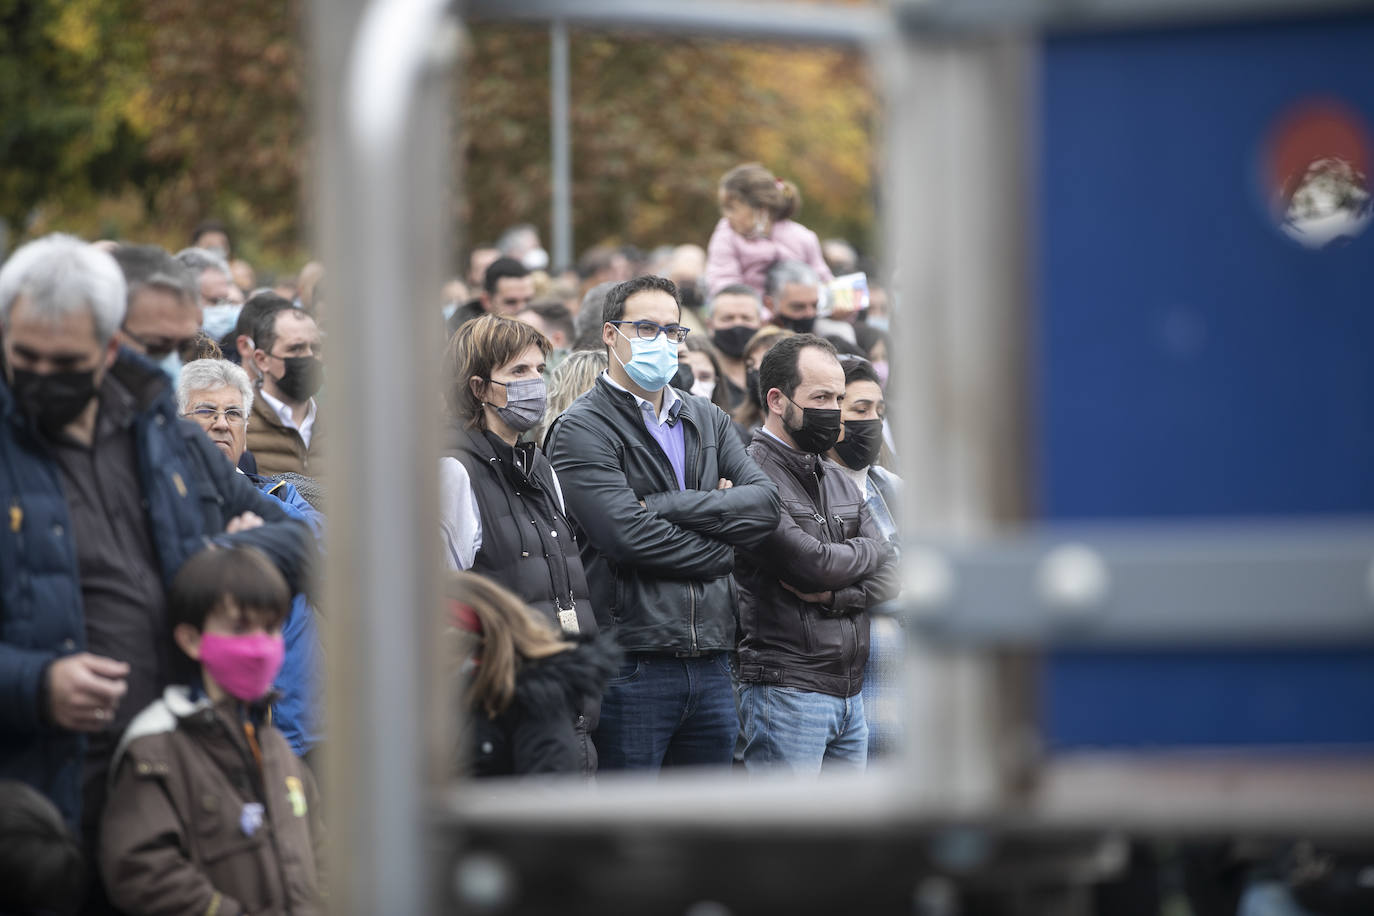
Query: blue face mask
{"points": [[653, 363], [218, 320], [171, 364]]}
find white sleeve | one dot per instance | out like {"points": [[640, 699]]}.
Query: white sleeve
{"points": [[459, 521], [558, 490]]}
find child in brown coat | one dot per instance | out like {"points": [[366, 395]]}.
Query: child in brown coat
{"points": [[209, 811]]}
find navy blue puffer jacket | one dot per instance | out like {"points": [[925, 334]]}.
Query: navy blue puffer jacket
{"points": [[189, 492]]}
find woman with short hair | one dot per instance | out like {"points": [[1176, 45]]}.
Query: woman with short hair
{"points": [[501, 508]]}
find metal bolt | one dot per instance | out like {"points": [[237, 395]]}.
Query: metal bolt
{"points": [[1073, 578], [929, 580], [483, 881]]}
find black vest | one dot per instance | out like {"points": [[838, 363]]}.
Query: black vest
{"points": [[527, 542]]}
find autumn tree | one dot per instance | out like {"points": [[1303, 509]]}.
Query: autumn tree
{"points": [[138, 118], [655, 123]]}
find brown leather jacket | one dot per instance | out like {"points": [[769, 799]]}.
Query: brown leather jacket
{"points": [[826, 541], [279, 448], [194, 825]]}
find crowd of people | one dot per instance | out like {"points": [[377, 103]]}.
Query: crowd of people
{"points": [[665, 509]]}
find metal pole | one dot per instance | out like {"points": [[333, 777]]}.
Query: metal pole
{"points": [[955, 140], [562, 145], [387, 157]]}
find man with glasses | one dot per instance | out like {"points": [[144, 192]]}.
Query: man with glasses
{"points": [[662, 493], [163, 316], [105, 492], [217, 395], [284, 436]]}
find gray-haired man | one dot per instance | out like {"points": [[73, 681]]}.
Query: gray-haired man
{"points": [[105, 492]]}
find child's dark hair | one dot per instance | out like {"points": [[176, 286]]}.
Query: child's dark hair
{"points": [[237, 577], [41, 868]]}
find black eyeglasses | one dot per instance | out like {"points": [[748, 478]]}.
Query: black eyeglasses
{"points": [[159, 349], [648, 330]]}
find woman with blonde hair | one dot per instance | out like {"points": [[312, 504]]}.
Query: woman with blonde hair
{"points": [[524, 684], [758, 227], [570, 380]]}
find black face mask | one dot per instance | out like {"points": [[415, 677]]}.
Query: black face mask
{"points": [[303, 377], [863, 439], [684, 378], [732, 341], [689, 295], [53, 400], [819, 430], [751, 382], [800, 325]]}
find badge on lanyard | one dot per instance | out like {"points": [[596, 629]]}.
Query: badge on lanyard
{"points": [[568, 621]]}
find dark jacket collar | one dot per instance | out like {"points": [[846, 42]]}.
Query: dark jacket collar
{"points": [[627, 399], [795, 460], [516, 461], [141, 378]]}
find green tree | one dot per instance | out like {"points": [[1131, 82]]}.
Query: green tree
{"points": [[71, 93]]}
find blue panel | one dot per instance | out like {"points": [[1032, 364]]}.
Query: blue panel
{"points": [[1170, 699], [1193, 361]]}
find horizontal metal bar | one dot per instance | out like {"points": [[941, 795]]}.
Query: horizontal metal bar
{"points": [[1290, 585], [862, 25], [1164, 794], [806, 22], [937, 16]]}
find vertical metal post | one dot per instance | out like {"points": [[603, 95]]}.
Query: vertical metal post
{"points": [[385, 157], [562, 145], [956, 140]]}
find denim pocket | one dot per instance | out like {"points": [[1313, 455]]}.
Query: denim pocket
{"points": [[722, 661], [628, 671]]}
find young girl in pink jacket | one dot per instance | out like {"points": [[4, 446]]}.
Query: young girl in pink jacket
{"points": [[756, 228]]}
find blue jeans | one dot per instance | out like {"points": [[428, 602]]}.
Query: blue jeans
{"points": [[661, 711], [801, 730], [1269, 898], [884, 703]]}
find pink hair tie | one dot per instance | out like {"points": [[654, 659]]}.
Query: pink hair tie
{"points": [[463, 616]]}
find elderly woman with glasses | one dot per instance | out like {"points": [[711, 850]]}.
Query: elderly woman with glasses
{"points": [[216, 394]]}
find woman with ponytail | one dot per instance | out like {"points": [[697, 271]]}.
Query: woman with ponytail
{"points": [[757, 227]]}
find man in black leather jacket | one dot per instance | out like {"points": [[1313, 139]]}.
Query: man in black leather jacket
{"points": [[805, 588], [662, 494]]}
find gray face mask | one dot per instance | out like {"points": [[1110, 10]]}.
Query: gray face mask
{"points": [[526, 401]]}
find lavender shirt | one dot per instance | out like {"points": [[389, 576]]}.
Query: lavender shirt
{"points": [[664, 427]]}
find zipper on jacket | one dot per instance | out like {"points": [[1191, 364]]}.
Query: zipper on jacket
{"points": [[692, 612], [260, 773]]}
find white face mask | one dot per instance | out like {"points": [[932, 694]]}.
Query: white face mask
{"points": [[703, 389]]}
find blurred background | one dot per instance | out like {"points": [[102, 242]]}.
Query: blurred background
{"points": [[137, 119]]}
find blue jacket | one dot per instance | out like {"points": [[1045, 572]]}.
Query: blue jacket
{"points": [[190, 493], [297, 712]]}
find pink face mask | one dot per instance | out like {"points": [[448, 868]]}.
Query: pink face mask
{"points": [[244, 666], [880, 369]]}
